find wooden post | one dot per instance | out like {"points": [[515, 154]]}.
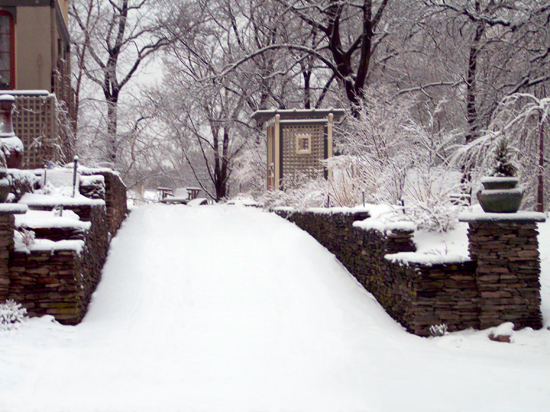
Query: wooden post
{"points": [[329, 135], [540, 188], [277, 152], [329, 141], [75, 173]]}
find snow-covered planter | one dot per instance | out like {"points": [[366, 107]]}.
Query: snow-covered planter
{"points": [[500, 195], [10, 144]]}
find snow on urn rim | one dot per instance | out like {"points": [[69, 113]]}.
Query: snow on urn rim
{"points": [[494, 179], [7, 98]]}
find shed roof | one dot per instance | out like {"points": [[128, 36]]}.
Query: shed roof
{"points": [[262, 116]]}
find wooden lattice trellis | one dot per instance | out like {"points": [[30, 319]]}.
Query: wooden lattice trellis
{"points": [[297, 142], [293, 160], [45, 127], [35, 124]]}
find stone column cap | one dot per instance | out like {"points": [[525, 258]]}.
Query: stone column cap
{"points": [[521, 216], [13, 209]]}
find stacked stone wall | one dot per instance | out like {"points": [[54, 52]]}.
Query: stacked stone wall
{"points": [[508, 272], [433, 295], [115, 198], [49, 283], [6, 246], [498, 284], [416, 295], [61, 282], [93, 187]]}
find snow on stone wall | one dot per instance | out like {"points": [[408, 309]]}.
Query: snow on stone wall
{"points": [[115, 196], [58, 274], [60, 280], [420, 293]]}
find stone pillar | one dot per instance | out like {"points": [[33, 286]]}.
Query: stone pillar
{"points": [[6, 243], [505, 247]]}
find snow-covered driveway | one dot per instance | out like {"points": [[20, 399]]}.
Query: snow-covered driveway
{"points": [[233, 309]]}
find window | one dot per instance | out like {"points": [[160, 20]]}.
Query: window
{"points": [[7, 58], [303, 144]]}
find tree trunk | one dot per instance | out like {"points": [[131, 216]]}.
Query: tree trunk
{"points": [[112, 125], [221, 187], [540, 188], [471, 85], [307, 89]]}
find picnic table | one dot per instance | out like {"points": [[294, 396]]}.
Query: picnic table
{"points": [[165, 192]]}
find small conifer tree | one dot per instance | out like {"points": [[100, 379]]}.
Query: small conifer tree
{"points": [[502, 165]]}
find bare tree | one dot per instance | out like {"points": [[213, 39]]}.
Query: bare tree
{"points": [[207, 108], [350, 34], [342, 37], [113, 39], [203, 118], [499, 47]]}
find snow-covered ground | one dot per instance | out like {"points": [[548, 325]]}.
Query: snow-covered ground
{"points": [[226, 308]]}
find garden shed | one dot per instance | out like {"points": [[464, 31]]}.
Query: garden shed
{"points": [[297, 141]]}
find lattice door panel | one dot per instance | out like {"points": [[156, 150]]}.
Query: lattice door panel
{"points": [[303, 149]]}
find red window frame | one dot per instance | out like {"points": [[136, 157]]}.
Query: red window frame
{"points": [[11, 52]]}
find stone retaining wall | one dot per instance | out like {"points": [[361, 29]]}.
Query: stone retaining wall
{"points": [[115, 197], [61, 282], [431, 295], [6, 246], [51, 283], [419, 295], [508, 270]]}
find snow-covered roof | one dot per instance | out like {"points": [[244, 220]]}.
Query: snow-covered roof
{"points": [[28, 92], [262, 116]]}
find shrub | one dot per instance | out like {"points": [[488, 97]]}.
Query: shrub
{"points": [[502, 165], [12, 314], [438, 330]]}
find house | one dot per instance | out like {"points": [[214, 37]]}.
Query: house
{"points": [[297, 142], [35, 69]]}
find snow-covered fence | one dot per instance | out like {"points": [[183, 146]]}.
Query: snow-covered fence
{"points": [[420, 292]]}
